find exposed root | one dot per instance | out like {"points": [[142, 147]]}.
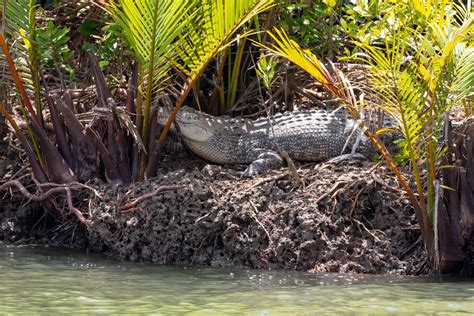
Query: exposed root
{"points": [[356, 201], [332, 191], [131, 206], [74, 210], [37, 197], [41, 197], [254, 216]]}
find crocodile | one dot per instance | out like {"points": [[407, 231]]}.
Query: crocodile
{"points": [[302, 135]]}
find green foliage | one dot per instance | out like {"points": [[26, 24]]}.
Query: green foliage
{"points": [[108, 44], [21, 27], [424, 69], [418, 92], [17, 14], [369, 20], [182, 34], [313, 24], [420, 66], [53, 48], [266, 70]]}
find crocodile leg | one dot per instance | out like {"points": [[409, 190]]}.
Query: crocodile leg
{"points": [[355, 157], [265, 161]]}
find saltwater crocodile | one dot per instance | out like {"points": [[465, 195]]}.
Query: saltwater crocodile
{"points": [[303, 135]]}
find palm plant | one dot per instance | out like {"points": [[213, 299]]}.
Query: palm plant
{"points": [[176, 34], [21, 27], [416, 91]]}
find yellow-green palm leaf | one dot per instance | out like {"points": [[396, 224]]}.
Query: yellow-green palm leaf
{"points": [[151, 27], [304, 58], [215, 22]]}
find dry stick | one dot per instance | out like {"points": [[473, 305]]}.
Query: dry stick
{"points": [[366, 229], [164, 188], [378, 180], [254, 215], [18, 172], [331, 191], [272, 178], [356, 201]]}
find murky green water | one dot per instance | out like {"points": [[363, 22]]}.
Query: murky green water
{"points": [[53, 281]]}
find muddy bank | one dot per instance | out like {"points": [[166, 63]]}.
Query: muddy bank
{"points": [[345, 219], [337, 218]]}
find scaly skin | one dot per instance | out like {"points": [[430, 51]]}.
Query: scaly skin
{"points": [[305, 135]]}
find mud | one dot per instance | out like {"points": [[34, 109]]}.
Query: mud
{"points": [[345, 219], [335, 218]]}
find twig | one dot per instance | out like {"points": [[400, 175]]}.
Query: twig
{"points": [[356, 201], [260, 223], [272, 178], [295, 177], [410, 249], [334, 188], [120, 200], [366, 229], [383, 183], [164, 188], [18, 172], [371, 170]]}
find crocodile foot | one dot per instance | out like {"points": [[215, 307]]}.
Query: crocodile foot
{"points": [[265, 161], [356, 157]]}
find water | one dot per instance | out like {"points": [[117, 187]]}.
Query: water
{"points": [[55, 281]]}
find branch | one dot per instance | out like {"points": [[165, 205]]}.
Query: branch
{"points": [[41, 197], [129, 207]]}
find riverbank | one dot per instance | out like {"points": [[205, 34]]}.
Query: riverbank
{"points": [[334, 218]]}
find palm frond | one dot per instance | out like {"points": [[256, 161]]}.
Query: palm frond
{"points": [[151, 28], [304, 58], [463, 85], [17, 15], [215, 23]]}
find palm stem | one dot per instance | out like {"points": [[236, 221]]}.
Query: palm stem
{"points": [[33, 59], [149, 82]]}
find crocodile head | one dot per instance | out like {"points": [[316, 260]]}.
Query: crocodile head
{"points": [[193, 125]]}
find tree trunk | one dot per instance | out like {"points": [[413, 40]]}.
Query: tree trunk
{"points": [[456, 215]]}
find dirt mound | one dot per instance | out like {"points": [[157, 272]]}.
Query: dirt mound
{"points": [[346, 219]]}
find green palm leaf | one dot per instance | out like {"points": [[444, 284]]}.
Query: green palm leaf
{"points": [[151, 28], [463, 85], [185, 34], [21, 28], [214, 24], [304, 58], [17, 15]]}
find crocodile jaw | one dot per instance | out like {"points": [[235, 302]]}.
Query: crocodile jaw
{"points": [[192, 126], [194, 132]]}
